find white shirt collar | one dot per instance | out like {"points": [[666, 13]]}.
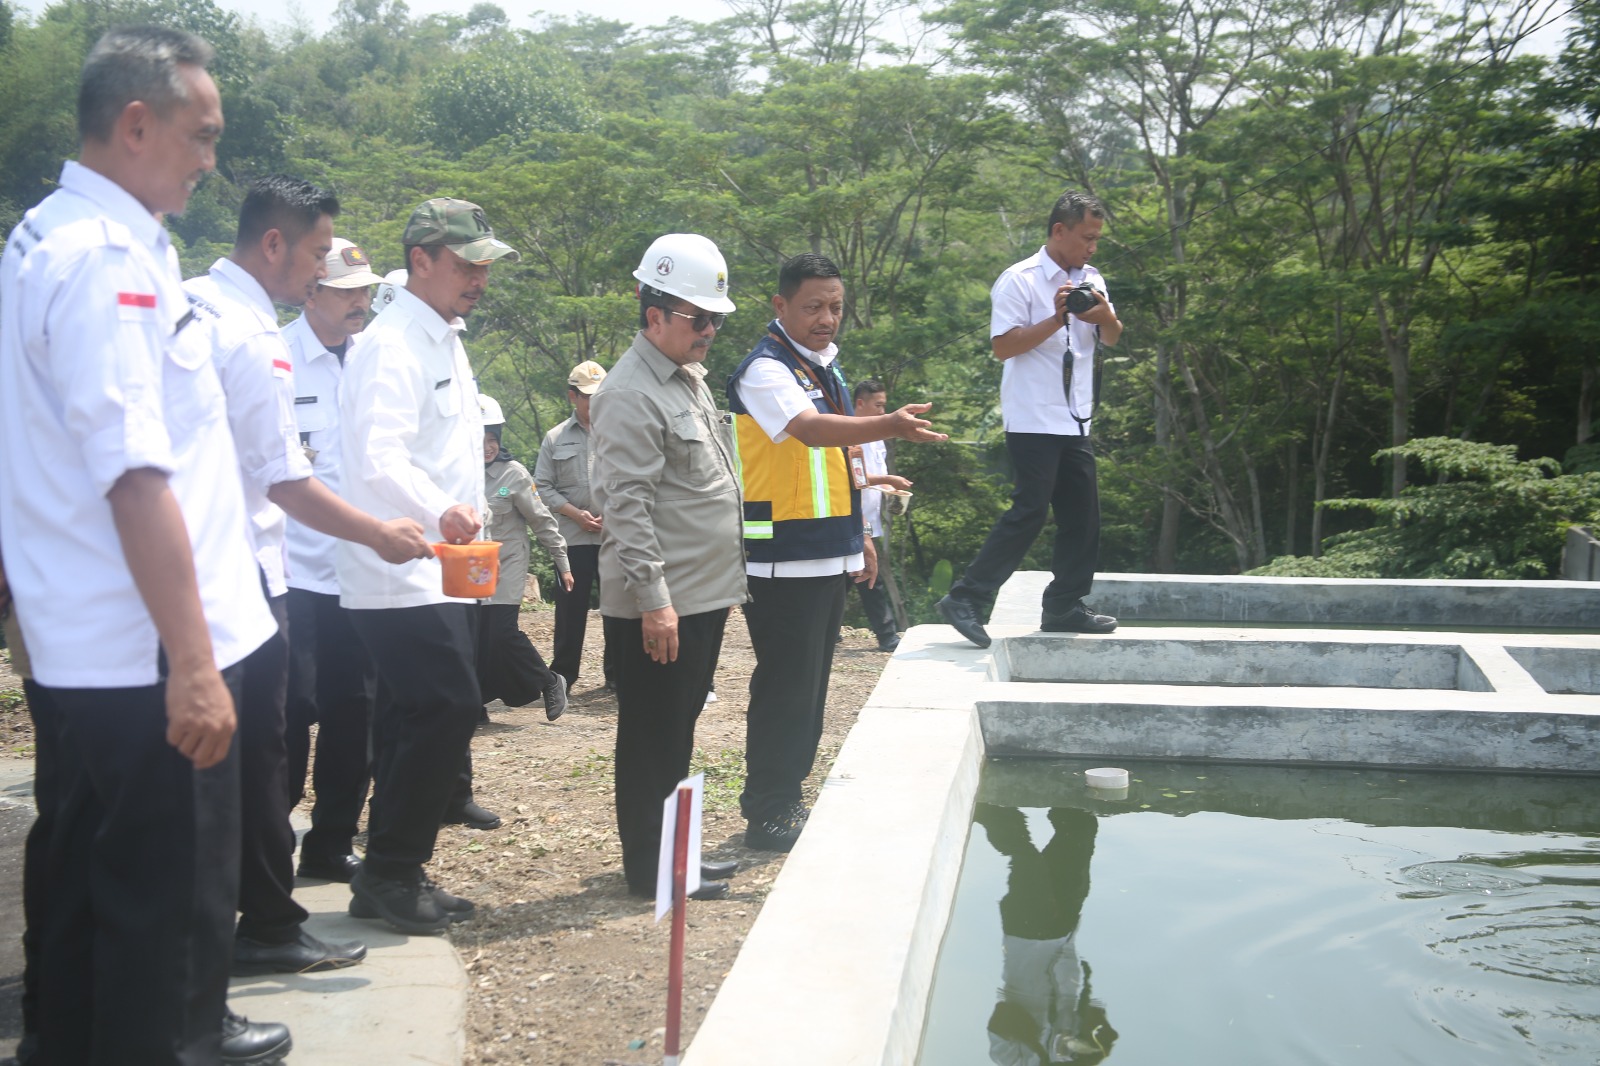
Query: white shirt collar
{"points": [[227, 271], [431, 321], [116, 202], [1054, 272], [822, 358]]}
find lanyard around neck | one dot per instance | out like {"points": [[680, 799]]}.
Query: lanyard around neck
{"points": [[805, 364]]}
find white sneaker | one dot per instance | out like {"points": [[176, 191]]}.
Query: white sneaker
{"points": [[711, 697]]}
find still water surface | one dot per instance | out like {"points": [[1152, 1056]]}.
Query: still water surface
{"points": [[1235, 915]]}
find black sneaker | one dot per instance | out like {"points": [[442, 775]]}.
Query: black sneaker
{"points": [[1079, 618], [247, 1043], [454, 907], [407, 905], [964, 617], [777, 833], [555, 697]]}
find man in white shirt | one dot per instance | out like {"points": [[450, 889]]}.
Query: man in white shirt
{"points": [[793, 420], [285, 232], [871, 398], [128, 558], [331, 678], [411, 445], [1047, 396]]}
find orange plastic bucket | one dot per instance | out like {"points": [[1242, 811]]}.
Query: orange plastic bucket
{"points": [[470, 570]]}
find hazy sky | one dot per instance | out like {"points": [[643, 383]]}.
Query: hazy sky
{"points": [[318, 14]]}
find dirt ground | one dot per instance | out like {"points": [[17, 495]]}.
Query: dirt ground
{"points": [[566, 967]]}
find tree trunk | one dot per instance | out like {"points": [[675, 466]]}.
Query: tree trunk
{"points": [[1167, 536]]}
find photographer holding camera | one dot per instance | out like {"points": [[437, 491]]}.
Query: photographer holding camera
{"points": [[1048, 313]]}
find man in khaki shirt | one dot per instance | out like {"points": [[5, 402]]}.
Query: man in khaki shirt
{"points": [[671, 553], [562, 476]]}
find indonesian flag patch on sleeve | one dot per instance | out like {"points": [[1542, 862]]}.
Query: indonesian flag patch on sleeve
{"points": [[136, 306]]}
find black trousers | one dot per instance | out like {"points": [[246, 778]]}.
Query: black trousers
{"points": [[510, 668], [267, 909], [427, 706], [792, 622], [572, 616], [875, 601], [47, 803], [132, 887], [331, 682], [1053, 474], [657, 707]]}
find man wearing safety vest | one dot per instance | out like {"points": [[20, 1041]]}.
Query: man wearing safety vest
{"points": [[798, 451]]}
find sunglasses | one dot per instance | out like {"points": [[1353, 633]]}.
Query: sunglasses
{"points": [[699, 322]]}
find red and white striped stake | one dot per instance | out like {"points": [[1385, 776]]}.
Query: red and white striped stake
{"points": [[680, 877]]}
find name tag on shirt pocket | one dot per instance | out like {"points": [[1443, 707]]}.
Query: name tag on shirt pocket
{"points": [[310, 414], [813, 394], [446, 399]]}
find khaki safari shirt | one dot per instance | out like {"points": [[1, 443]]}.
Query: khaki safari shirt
{"points": [[673, 533], [563, 475], [514, 509]]}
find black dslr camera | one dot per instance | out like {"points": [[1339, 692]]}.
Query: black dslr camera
{"points": [[1079, 300]]}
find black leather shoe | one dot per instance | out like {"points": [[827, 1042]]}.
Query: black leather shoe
{"points": [[711, 870], [1079, 618], [339, 868], [964, 617], [247, 1043], [454, 907], [473, 817], [555, 697], [407, 905], [778, 833], [304, 954], [707, 890], [889, 642], [27, 1051]]}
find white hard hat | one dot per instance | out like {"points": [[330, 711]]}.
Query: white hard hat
{"points": [[690, 267], [395, 279], [492, 415]]}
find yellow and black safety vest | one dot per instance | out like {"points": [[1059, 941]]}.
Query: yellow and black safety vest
{"points": [[799, 502]]}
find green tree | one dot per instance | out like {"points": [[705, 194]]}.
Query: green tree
{"points": [[501, 89], [1486, 515]]}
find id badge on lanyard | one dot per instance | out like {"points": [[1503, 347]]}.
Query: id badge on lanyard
{"points": [[858, 465]]}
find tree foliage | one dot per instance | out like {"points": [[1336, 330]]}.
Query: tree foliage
{"points": [[1486, 514]]}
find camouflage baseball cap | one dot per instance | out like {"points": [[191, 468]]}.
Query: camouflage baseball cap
{"points": [[460, 227]]}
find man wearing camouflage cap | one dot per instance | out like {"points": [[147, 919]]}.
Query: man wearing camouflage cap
{"points": [[411, 444], [563, 475], [331, 678]]}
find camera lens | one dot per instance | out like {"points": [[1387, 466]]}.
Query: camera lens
{"points": [[1080, 300]]}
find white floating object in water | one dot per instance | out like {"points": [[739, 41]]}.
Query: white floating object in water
{"points": [[1106, 777]]}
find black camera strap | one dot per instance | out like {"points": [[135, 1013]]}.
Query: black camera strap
{"points": [[1068, 358]]}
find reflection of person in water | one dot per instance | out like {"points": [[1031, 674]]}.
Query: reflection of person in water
{"points": [[1045, 1015]]}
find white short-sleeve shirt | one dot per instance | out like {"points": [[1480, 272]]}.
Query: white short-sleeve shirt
{"points": [[317, 375], [773, 397], [103, 371], [410, 444], [258, 380], [875, 457], [1033, 397]]}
